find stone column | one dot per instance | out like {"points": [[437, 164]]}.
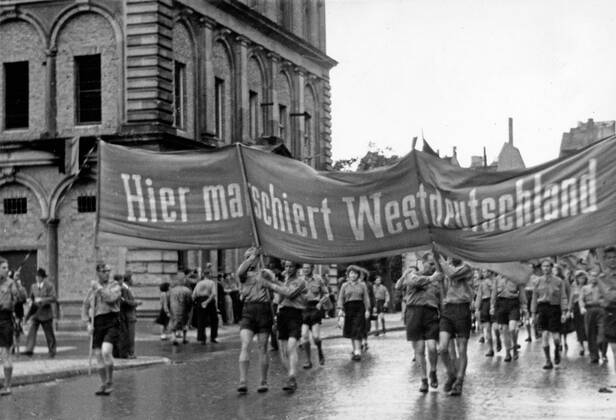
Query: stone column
{"points": [[241, 130], [297, 113], [50, 87], [272, 119], [208, 91], [52, 251]]}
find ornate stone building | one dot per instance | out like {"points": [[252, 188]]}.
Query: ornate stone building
{"points": [[159, 74]]}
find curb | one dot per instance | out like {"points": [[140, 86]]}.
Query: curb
{"points": [[28, 379]]}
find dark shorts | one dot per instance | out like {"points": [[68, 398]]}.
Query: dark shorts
{"points": [[289, 323], [257, 317], [7, 329], [311, 315], [610, 324], [380, 306], [507, 309], [421, 323], [456, 320], [548, 317], [106, 329], [484, 311]]}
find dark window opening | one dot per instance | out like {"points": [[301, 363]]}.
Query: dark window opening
{"points": [[179, 92], [16, 205], [17, 93], [88, 89], [253, 106], [86, 204], [283, 122]]}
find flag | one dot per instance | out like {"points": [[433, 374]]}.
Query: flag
{"points": [[427, 149]]}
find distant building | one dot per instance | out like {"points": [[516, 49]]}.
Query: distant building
{"points": [[585, 134]]}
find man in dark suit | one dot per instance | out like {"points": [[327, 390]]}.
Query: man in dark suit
{"points": [[43, 296]]}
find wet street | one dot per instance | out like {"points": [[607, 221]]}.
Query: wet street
{"points": [[201, 385]]}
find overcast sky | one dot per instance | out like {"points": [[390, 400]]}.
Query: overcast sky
{"points": [[459, 68]]}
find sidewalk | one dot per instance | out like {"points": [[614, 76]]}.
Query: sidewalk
{"points": [[44, 370], [35, 370]]}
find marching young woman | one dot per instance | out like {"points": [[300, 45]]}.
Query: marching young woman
{"points": [[353, 305], [549, 307], [482, 309], [455, 321], [422, 293], [505, 303], [316, 298]]}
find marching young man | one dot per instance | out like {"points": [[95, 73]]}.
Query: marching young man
{"points": [[422, 294], [607, 285], [549, 307], [381, 297], [316, 297], [455, 321], [482, 309], [505, 302], [10, 293], [101, 311]]}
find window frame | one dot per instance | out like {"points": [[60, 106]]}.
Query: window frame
{"points": [[79, 63], [180, 97], [11, 87]]}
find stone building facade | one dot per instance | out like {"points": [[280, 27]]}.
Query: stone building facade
{"points": [[158, 74]]}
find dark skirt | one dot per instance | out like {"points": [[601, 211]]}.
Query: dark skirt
{"points": [[354, 320], [162, 318], [580, 324]]}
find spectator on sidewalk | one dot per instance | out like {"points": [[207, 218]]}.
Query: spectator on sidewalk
{"points": [[220, 299], [180, 304], [128, 316], [10, 293], [205, 303], [42, 296], [163, 313]]}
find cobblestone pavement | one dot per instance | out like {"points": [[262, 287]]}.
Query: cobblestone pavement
{"points": [[382, 386]]}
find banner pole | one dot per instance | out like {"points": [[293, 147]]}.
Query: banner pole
{"points": [[253, 221]]}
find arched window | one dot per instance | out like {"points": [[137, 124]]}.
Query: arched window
{"points": [[310, 147], [283, 93], [256, 94], [183, 79]]}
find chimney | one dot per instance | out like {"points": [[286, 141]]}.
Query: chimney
{"points": [[511, 131], [455, 151], [485, 158]]}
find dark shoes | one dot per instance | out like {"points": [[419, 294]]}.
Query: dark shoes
{"points": [[213, 340], [516, 354], [242, 388], [456, 389], [507, 357], [27, 353], [449, 384], [482, 340], [499, 346], [290, 386], [528, 339], [104, 390], [356, 357], [321, 359], [307, 365], [548, 365], [262, 388], [490, 353], [424, 386], [5, 391], [594, 361], [433, 379], [556, 357]]}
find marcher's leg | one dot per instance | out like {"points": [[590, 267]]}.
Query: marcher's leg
{"points": [[487, 333], [613, 346], [504, 329], [545, 341], [591, 334], [201, 314], [7, 359], [444, 339], [461, 344], [555, 337], [131, 338], [246, 336], [316, 336], [513, 332], [262, 339], [31, 337], [213, 322], [419, 347], [306, 345], [432, 358], [107, 357]]}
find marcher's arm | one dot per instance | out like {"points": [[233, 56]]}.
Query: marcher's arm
{"points": [[288, 292], [493, 295], [386, 297], [564, 297], [85, 308], [366, 296], [523, 298], [242, 270], [533, 300], [340, 300]]}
